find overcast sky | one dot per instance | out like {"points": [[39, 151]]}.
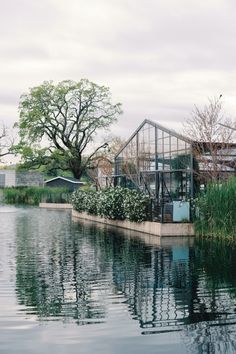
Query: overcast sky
{"points": [[159, 57]]}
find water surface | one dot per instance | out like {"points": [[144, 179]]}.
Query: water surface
{"points": [[77, 287]]}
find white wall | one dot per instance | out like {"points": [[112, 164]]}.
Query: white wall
{"points": [[10, 177]]}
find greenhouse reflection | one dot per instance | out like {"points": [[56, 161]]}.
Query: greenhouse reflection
{"points": [[72, 274]]}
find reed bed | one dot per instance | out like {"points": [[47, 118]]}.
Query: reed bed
{"points": [[35, 195], [216, 210]]}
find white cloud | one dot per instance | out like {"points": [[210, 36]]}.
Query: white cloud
{"points": [[158, 58]]}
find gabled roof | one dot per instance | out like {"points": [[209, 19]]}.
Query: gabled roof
{"points": [[158, 126], [68, 179]]}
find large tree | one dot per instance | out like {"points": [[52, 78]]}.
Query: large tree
{"points": [[59, 123]]}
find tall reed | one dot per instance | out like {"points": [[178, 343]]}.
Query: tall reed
{"points": [[216, 214], [35, 195]]}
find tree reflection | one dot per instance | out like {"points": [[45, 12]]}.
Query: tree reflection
{"points": [[70, 270], [57, 271]]}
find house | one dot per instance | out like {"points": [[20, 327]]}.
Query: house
{"points": [[67, 182], [13, 178]]}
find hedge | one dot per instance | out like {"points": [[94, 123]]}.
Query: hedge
{"points": [[113, 203]]}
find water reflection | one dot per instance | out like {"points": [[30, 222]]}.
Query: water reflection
{"points": [[74, 271]]}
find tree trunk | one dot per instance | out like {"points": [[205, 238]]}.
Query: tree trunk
{"points": [[76, 166]]}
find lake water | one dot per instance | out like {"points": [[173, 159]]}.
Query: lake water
{"points": [[75, 287]]}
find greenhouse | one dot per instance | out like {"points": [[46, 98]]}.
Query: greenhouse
{"points": [[158, 161], [170, 169]]}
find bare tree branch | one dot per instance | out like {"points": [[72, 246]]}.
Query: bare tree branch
{"points": [[6, 142], [210, 130]]}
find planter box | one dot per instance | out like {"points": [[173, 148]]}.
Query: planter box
{"points": [[55, 205], [148, 227]]}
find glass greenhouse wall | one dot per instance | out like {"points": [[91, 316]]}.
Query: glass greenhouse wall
{"points": [[159, 162]]}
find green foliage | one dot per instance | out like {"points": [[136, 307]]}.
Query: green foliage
{"points": [[112, 203], [67, 116], [78, 199], [181, 161], [84, 200], [35, 195], [216, 210], [135, 205], [91, 202]]}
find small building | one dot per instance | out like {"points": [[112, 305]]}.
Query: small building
{"points": [[67, 182], [13, 178]]}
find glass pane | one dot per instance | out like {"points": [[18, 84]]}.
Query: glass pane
{"points": [[181, 145], [174, 143], [159, 146], [166, 145]]}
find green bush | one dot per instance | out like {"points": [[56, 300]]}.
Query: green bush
{"points": [[136, 205], [91, 202], [78, 199], [85, 200], [112, 203]]}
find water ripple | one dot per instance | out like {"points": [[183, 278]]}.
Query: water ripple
{"points": [[54, 271]]}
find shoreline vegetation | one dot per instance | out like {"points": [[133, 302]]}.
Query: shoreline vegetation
{"points": [[216, 210], [35, 195]]}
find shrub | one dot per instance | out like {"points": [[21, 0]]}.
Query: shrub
{"points": [[91, 201], [78, 200], [135, 205], [112, 203]]}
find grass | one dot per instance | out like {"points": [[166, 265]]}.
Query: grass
{"points": [[217, 210], [35, 195]]}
